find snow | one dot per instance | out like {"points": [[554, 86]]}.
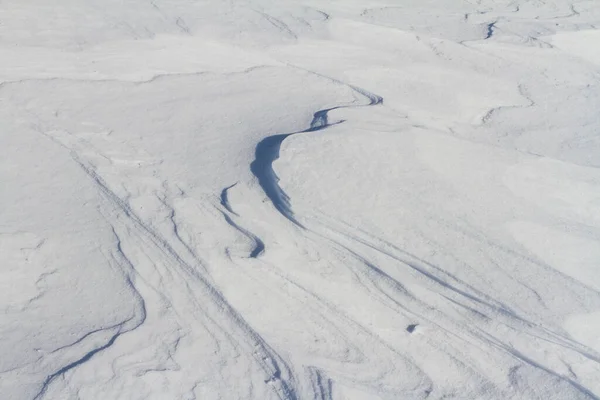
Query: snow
{"points": [[299, 199]]}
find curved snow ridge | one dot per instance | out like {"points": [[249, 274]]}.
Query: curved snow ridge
{"points": [[211, 306], [259, 245], [198, 307], [101, 339], [267, 151]]}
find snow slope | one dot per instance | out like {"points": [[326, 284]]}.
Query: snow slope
{"points": [[263, 199]]}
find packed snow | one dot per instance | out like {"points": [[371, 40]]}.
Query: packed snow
{"points": [[299, 199]]}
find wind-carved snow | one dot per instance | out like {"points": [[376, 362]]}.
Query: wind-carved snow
{"points": [[267, 200]]}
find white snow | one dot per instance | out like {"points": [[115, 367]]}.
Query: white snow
{"points": [[296, 199]]}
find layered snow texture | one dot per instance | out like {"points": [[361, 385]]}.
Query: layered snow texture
{"points": [[299, 199]]}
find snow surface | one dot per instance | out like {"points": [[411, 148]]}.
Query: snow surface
{"points": [[299, 199]]}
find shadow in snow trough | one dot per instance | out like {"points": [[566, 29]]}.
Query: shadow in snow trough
{"points": [[267, 151]]}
